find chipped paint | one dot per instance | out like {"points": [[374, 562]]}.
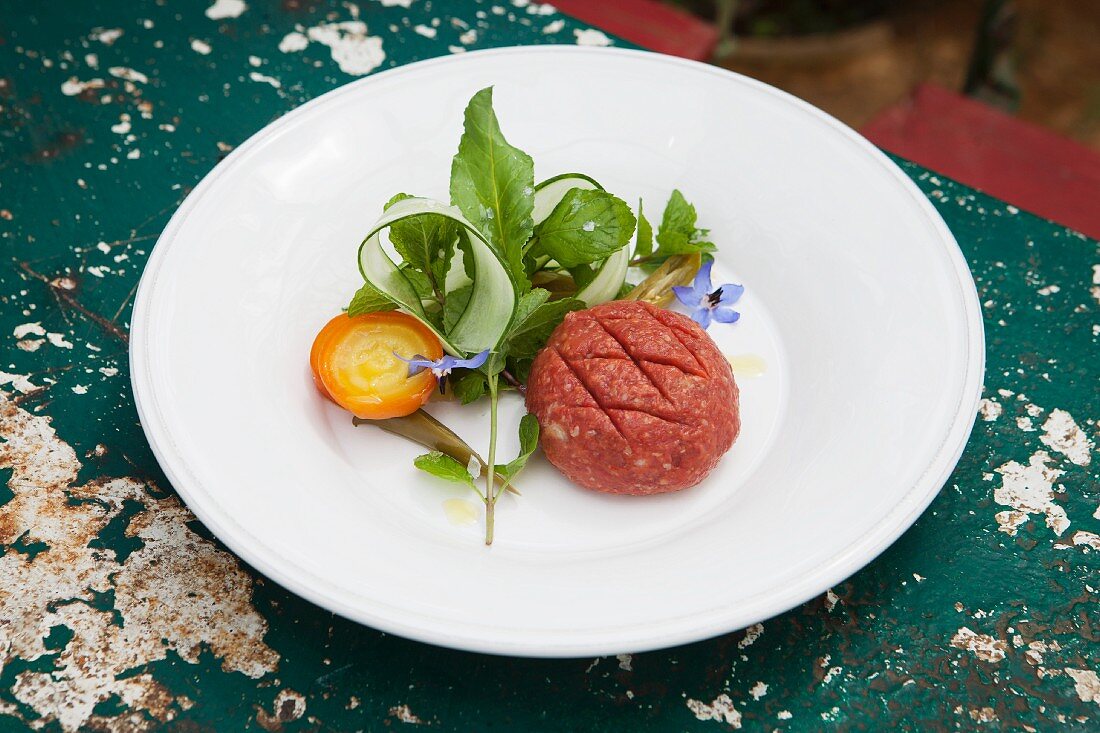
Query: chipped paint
{"points": [[721, 709], [591, 37], [1029, 490], [200, 47], [264, 79], [222, 9], [73, 86], [989, 410], [176, 592], [983, 715], [758, 690], [20, 382], [625, 662], [983, 646], [1062, 435], [751, 635], [106, 36], [404, 714], [1086, 684], [287, 707], [125, 72], [1081, 538], [354, 51]]}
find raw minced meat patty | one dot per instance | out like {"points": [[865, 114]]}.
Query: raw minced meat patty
{"points": [[633, 399]]}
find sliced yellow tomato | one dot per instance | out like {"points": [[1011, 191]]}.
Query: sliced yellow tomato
{"points": [[354, 364]]}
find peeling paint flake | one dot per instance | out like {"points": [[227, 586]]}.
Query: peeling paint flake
{"points": [[73, 86], [625, 662], [106, 36], [28, 329], [18, 381], [293, 42], [352, 49], [1062, 435], [758, 690], [404, 714], [288, 707], [989, 410], [591, 37], [983, 646], [1029, 490], [1086, 684], [226, 9], [721, 709], [751, 635], [175, 592], [1082, 538], [125, 72], [263, 78]]}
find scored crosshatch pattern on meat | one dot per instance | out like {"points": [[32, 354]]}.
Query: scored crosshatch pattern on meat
{"points": [[633, 399]]}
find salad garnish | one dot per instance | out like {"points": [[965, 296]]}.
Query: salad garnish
{"points": [[495, 270]]}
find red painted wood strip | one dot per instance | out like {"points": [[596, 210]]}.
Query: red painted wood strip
{"points": [[1016, 161]]}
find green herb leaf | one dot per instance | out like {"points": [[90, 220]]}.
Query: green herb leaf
{"points": [[586, 226], [644, 247], [469, 386], [624, 290], [528, 442], [368, 299], [426, 243], [678, 234], [455, 306], [583, 275], [443, 466], [493, 183], [536, 318]]}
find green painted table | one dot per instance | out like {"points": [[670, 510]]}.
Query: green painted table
{"points": [[119, 612]]}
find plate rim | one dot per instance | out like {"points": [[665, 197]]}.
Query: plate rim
{"points": [[638, 637]]}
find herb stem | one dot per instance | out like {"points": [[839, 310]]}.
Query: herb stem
{"points": [[491, 477], [520, 386], [641, 260]]}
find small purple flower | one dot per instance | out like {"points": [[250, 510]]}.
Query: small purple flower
{"points": [[705, 303], [442, 367]]}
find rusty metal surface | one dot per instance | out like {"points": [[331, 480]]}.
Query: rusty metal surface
{"points": [[119, 612]]}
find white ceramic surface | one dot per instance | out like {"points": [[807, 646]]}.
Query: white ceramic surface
{"points": [[858, 300]]}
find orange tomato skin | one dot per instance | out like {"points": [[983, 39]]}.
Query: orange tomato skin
{"points": [[353, 364]]}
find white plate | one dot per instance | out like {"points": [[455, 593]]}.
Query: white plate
{"points": [[858, 300]]}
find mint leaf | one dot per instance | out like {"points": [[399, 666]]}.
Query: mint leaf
{"points": [[455, 305], [493, 183], [468, 387], [678, 234], [582, 276], [644, 247], [368, 299], [528, 442], [443, 466], [586, 226], [536, 318]]}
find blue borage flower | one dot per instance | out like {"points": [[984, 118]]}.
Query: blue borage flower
{"points": [[707, 304], [442, 367]]}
